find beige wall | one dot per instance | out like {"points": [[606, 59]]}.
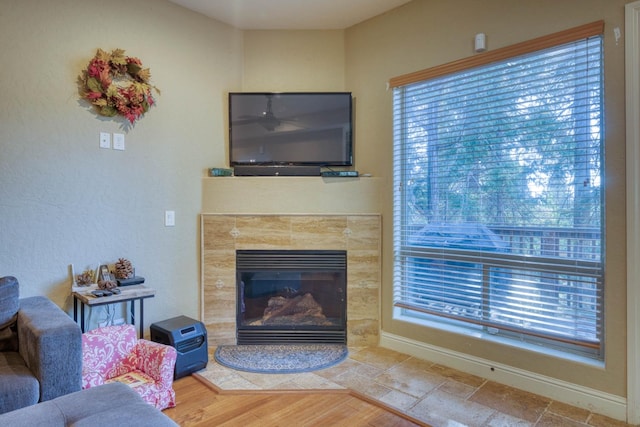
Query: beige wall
{"points": [[293, 61], [426, 33], [63, 200]]}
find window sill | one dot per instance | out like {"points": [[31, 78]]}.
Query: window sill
{"points": [[450, 327]]}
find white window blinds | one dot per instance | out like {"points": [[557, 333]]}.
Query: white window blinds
{"points": [[498, 205]]}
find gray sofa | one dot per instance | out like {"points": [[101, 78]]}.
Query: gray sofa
{"points": [[108, 405], [40, 350]]}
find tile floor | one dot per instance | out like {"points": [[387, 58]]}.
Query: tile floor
{"points": [[430, 392]]}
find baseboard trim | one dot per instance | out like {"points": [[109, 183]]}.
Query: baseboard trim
{"points": [[596, 401]]}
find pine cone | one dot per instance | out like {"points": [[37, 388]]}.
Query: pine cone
{"points": [[107, 284], [85, 278], [124, 269]]}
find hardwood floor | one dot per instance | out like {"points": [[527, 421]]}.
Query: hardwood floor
{"points": [[200, 405]]}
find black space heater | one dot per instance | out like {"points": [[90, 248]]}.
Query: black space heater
{"points": [[188, 337]]}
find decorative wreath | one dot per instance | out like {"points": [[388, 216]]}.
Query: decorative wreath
{"points": [[118, 85]]}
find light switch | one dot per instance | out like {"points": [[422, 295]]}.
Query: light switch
{"points": [[169, 218], [105, 140], [118, 141]]}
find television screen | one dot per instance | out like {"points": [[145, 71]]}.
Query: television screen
{"points": [[293, 128]]}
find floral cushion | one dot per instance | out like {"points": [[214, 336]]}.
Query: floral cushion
{"points": [[113, 351]]}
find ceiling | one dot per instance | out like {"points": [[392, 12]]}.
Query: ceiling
{"points": [[291, 14]]}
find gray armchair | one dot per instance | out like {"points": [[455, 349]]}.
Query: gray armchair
{"points": [[40, 349]]}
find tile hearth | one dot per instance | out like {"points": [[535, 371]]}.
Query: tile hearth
{"points": [[429, 392]]}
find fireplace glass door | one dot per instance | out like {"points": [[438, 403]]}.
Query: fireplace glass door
{"points": [[290, 296]]}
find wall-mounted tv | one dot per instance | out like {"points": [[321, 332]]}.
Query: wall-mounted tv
{"points": [[289, 133]]}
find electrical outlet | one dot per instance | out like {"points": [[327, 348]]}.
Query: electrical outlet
{"points": [[105, 140], [169, 218], [118, 141]]}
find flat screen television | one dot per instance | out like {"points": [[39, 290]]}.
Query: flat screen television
{"points": [[289, 132]]}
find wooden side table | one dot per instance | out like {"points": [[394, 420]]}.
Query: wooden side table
{"points": [[127, 294]]}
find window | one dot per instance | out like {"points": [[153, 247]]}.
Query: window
{"points": [[498, 208]]}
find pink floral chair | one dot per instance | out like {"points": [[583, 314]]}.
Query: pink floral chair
{"points": [[114, 353]]}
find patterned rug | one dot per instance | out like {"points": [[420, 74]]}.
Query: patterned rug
{"points": [[281, 359]]}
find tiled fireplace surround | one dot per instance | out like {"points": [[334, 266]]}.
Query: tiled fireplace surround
{"points": [[358, 234]]}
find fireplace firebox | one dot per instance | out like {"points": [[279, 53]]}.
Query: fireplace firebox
{"points": [[291, 296]]}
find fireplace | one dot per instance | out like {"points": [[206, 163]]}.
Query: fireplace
{"points": [[291, 296], [359, 235]]}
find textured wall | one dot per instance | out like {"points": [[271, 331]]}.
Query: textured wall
{"points": [[63, 200]]}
